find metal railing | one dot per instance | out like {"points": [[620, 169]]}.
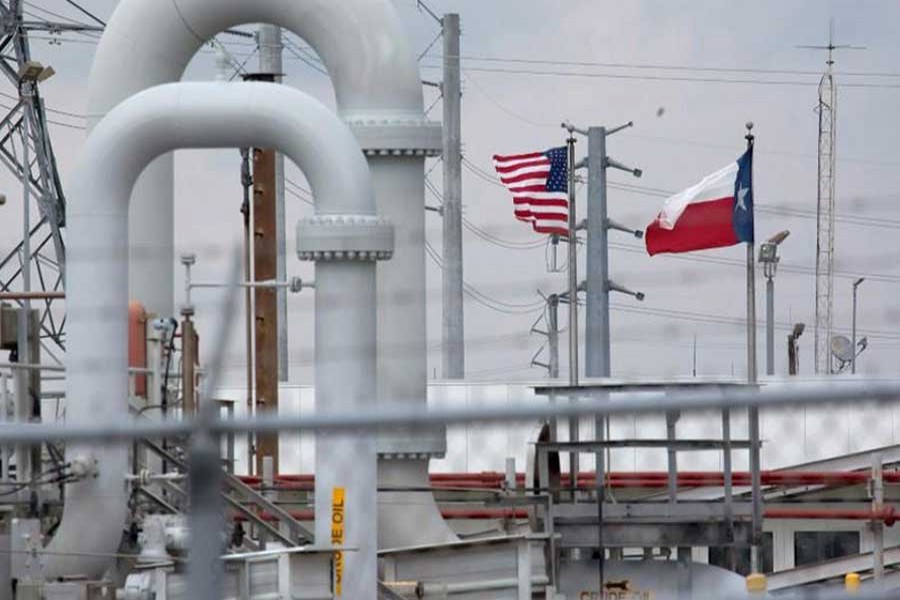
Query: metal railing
{"points": [[206, 429]]}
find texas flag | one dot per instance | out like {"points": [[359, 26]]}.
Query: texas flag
{"points": [[716, 212]]}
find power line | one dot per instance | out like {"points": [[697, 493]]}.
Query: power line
{"points": [[786, 267], [87, 13], [301, 55], [484, 234], [484, 299], [771, 209], [668, 67], [624, 76]]}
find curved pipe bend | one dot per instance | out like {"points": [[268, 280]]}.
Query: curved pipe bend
{"points": [[377, 86], [159, 120]]}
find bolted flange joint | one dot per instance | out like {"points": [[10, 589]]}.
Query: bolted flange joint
{"points": [[397, 136], [345, 237]]}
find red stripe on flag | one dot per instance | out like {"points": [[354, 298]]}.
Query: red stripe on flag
{"points": [[500, 158], [522, 165], [701, 226], [549, 230], [525, 189], [540, 201], [541, 175], [550, 216]]}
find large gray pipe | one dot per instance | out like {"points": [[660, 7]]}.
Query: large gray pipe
{"points": [[344, 238], [378, 91]]}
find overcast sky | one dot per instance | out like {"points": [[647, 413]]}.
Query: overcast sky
{"points": [[715, 65]]}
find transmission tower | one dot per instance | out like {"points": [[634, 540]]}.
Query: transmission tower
{"points": [[25, 150], [827, 112]]}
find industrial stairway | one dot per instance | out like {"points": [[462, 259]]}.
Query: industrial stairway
{"points": [[237, 495]]}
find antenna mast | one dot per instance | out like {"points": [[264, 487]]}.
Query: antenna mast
{"points": [[827, 111]]}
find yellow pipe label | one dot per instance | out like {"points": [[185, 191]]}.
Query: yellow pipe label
{"points": [[337, 536]]}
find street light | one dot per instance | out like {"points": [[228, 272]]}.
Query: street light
{"points": [[768, 256], [855, 353], [34, 72]]}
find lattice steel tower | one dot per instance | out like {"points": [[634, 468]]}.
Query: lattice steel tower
{"points": [[25, 150], [827, 111]]}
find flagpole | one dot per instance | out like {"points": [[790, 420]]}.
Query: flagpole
{"points": [[753, 415], [573, 267]]}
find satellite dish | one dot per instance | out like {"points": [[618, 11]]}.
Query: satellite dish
{"points": [[842, 348]]}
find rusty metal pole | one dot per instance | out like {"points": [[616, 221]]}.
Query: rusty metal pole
{"points": [[265, 259]]}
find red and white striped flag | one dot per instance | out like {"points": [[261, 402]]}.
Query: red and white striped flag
{"points": [[539, 183]]}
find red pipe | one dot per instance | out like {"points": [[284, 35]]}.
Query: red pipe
{"points": [[447, 513], [888, 514], [637, 479]]}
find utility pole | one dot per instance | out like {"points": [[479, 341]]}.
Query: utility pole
{"points": [[268, 259], [454, 360], [271, 50], [599, 285], [266, 299], [573, 277]]}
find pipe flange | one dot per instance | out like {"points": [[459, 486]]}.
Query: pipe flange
{"points": [[397, 137], [345, 237]]}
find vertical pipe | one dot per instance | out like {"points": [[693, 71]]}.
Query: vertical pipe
{"points": [[596, 339], [672, 456], [877, 524], [271, 51], [265, 300], [188, 364], [727, 480], [770, 326], [510, 473], [345, 359], [853, 360], [600, 483], [453, 322]]}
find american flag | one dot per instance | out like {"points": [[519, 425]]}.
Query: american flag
{"points": [[539, 184]]}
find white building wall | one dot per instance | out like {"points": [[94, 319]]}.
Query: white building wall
{"points": [[790, 436]]}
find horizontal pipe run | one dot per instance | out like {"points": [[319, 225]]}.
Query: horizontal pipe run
{"points": [[887, 515], [638, 479], [447, 513], [32, 295]]}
